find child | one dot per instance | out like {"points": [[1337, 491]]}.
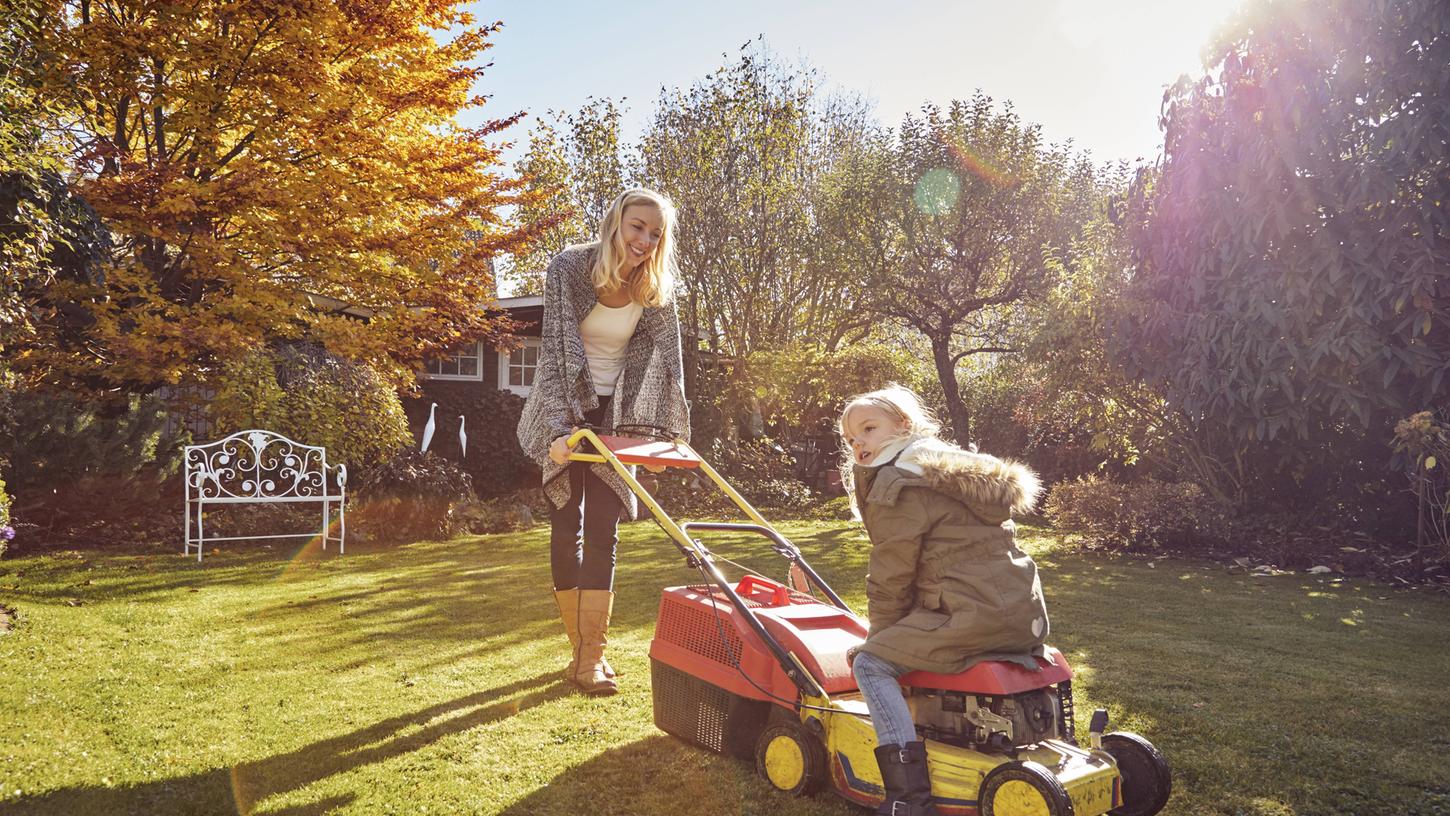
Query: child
{"points": [[947, 583]]}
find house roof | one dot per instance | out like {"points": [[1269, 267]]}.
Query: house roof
{"points": [[520, 301]]}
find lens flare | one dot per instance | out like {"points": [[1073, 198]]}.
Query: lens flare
{"points": [[969, 162], [937, 191]]}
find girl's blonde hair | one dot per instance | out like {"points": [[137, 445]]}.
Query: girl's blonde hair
{"points": [[898, 402], [656, 283]]}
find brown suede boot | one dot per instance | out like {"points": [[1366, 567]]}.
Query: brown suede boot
{"points": [[595, 607], [568, 601]]}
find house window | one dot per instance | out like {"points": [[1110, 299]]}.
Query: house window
{"points": [[463, 364], [516, 368]]}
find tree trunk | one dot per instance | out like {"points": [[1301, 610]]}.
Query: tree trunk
{"points": [[946, 372]]}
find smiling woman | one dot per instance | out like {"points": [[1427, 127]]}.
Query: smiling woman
{"points": [[609, 356]]}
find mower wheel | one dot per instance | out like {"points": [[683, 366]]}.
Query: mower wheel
{"points": [[791, 759], [1147, 780], [1022, 789]]}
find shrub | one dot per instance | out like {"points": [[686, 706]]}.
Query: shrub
{"points": [[495, 461], [316, 398], [1147, 514], [75, 463], [502, 514], [411, 496], [1422, 451], [797, 391], [7, 533]]}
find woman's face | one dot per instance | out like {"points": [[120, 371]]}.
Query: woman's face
{"points": [[867, 428], [639, 233]]}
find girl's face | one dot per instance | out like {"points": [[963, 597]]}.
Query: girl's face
{"points": [[640, 229], [867, 429]]}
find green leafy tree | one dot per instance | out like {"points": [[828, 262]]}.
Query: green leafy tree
{"points": [[575, 165], [744, 153], [967, 216], [46, 231], [1290, 293]]}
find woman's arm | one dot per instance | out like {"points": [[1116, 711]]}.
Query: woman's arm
{"points": [[553, 348]]}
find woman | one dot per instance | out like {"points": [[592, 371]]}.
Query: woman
{"points": [[610, 355]]}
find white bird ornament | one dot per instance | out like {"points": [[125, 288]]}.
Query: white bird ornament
{"points": [[428, 429], [462, 438]]}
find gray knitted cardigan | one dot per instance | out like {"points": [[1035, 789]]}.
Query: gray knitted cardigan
{"points": [[650, 389]]}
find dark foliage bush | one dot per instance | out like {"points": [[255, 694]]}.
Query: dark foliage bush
{"points": [[494, 460], [761, 472], [7, 533], [75, 463], [1146, 514], [409, 497]]}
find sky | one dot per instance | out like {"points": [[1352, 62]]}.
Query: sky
{"points": [[1089, 71]]}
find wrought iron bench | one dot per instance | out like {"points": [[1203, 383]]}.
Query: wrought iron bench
{"points": [[262, 467]]}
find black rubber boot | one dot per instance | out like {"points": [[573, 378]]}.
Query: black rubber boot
{"points": [[908, 788]]}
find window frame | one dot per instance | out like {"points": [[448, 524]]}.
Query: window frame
{"points": [[503, 368], [477, 355]]}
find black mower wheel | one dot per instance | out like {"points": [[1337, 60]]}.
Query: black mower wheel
{"points": [[1022, 787], [1147, 780], [791, 759]]}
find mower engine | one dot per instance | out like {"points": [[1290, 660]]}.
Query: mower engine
{"points": [[995, 706], [987, 723]]}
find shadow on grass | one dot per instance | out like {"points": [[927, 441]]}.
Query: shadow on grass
{"points": [[660, 775], [242, 788]]}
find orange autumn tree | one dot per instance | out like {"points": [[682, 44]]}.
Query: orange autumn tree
{"points": [[245, 154]]}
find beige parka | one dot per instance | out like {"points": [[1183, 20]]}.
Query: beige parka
{"points": [[947, 582]]}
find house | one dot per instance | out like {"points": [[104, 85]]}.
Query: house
{"points": [[480, 390], [478, 367]]}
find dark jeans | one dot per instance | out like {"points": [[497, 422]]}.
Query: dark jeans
{"points": [[585, 531]]}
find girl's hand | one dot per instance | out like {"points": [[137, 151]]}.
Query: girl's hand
{"points": [[559, 450]]}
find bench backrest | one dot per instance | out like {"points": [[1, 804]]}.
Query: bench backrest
{"points": [[258, 465]]}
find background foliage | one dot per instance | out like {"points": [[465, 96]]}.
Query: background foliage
{"points": [[315, 397], [73, 464]]}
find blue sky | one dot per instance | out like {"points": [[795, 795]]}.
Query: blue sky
{"points": [[1088, 70]]}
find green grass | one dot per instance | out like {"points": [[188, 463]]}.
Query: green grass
{"points": [[423, 679]]}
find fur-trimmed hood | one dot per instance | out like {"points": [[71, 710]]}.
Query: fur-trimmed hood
{"points": [[992, 488], [975, 478]]}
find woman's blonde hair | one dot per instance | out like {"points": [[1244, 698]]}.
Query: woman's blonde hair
{"points": [[656, 283], [898, 402]]}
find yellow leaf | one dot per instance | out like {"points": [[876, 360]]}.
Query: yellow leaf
{"points": [[1429, 463]]}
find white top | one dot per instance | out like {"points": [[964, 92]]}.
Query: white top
{"points": [[606, 332]]}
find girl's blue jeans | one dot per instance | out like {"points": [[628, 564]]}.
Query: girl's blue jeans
{"points": [[877, 680]]}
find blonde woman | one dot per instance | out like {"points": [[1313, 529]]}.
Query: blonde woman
{"points": [[609, 356]]}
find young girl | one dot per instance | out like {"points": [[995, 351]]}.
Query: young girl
{"points": [[947, 584], [609, 355]]}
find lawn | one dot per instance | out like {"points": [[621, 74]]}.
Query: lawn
{"points": [[423, 679]]}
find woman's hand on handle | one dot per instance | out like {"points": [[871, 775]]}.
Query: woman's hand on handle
{"points": [[559, 449]]}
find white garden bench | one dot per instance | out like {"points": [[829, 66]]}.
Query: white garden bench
{"points": [[262, 467]]}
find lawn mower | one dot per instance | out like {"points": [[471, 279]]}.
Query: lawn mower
{"points": [[759, 669]]}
